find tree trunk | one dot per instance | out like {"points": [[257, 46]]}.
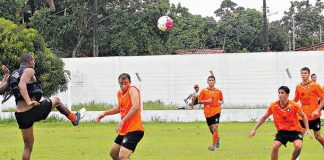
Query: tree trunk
{"points": [[95, 27], [80, 39], [51, 5]]}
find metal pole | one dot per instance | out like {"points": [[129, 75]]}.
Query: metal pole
{"points": [[265, 28], [320, 33], [294, 45], [95, 27]]}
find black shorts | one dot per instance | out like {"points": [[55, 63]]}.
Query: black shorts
{"points": [[285, 136], [315, 124], [213, 119], [26, 119], [196, 101], [130, 140]]}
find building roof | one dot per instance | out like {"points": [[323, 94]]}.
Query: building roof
{"points": [[311, 47], [200, 51]]}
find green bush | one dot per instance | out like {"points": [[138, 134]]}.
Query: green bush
{"points": [[92, 106], [16, 40], [158, 105]]}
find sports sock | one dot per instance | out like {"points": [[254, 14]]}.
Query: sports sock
{"points": [[72, 117], [215, 138]]}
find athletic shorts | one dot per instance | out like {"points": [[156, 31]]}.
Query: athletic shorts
{"points": [[196, 101], [313, 124], [285, 136], [26, 119], [213, 119], [130, 140]]}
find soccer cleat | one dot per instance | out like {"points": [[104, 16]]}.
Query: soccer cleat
{"points": [[217, 143], [211, 148], [79, 115]]}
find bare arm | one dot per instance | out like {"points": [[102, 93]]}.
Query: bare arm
{"points": [[258, 124], [190, 95], [4, 82], [305, 120], [296, 99], [321, 105], [26, 78], [205, 101], [112, 111], [319, 92]]}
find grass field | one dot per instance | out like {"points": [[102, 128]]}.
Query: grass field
{"points": [[162, 141]]}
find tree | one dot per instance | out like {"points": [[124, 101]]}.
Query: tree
{"points": [[307, 19], [16, 40]]}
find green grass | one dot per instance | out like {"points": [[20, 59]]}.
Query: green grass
{"points": [[9, 110], [149, 105], [162, 141]]}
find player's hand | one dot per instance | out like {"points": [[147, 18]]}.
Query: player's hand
{"points": [[252, 133], [315, 113], [5, 69], [119, 126], [33, 103], [309, 134], [209, 100], [102, 115]]}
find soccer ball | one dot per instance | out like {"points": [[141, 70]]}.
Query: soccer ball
{"points": [[165, 23]]}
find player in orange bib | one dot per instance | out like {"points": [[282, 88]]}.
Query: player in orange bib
{"points": [[212, 98], [308, 93], [285, 114], [130, 129]]}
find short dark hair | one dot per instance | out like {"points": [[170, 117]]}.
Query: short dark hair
{"points": [[305, 69], [313, 75], [124, 76], [25, 57], [285, 89], [213, 77]]}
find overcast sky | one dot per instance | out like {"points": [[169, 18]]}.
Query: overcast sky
{"points": [[207, 7]]}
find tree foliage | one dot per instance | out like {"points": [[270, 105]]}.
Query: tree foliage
{"points": [[16, 40], [128, 28]]}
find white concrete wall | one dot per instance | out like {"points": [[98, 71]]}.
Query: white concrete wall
{"points": [[244, 78], [240, 115], [227, 115]]}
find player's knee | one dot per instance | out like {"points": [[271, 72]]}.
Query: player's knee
{"points": [[298, 146], [55, 101], [215, 129], [275, 148], [29, 144], [318, 137], [122, 157], [27, 151], [113, 155]]}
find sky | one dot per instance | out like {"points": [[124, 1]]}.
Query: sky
{"points": [[207, 7]]}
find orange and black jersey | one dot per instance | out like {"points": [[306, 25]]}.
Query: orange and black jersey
{"points": [[309, 95], [125, 104], [213, 108], [286, 118]]}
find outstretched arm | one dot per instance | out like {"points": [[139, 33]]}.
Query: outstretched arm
{"points": [[305, 120], [258, 124], [190, 95], [112, 111], [4, 82]]}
